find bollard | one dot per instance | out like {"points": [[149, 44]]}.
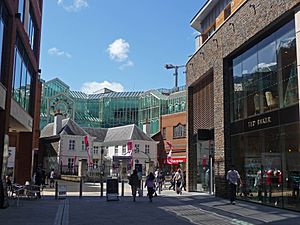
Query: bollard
{"points": [[142, 186], [56, 190], [101, 188], [80, 188], [122, 187]]}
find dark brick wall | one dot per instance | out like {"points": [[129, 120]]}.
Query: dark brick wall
{"points": [[246, 25]]}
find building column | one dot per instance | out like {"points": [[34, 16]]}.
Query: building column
{"points": [[297, 29]]}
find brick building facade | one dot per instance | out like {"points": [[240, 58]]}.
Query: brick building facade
{"points": [[173, 128], [20, 87], [212, 89]]}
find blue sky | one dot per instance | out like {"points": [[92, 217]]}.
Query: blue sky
{"points": [[119, 44]]}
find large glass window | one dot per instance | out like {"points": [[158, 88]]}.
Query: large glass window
{"points": [[269, 163], [2, 28], [31, 29], [264, 77], [21, 9], [22, 79], [267, 68]]}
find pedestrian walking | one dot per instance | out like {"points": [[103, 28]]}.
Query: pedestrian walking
{"points": [[178, 181], [134, 183], [233, 178], [172, 186], [38, 181], [150, 184], [184, 180], [52, 178]]}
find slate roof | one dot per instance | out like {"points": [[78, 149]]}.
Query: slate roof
{"points": [[126, 133], [105, 135], [69, 127], [99, 133]]}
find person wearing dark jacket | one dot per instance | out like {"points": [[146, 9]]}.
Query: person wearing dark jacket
{"points": [[38, 181], [134, 183]]}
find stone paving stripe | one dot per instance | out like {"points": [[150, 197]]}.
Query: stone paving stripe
{"points": [[59, 214], [65, 220]]}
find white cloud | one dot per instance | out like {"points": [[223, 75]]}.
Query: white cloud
{"points": [[73, 5], [129, 63], [118, 50], [92, 87], [57, 52]]}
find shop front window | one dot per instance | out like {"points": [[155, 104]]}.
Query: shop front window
{"points": [[267, 69], [269, 163], [251, 80], [264, 77]]}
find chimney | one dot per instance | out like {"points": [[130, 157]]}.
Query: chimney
{"points": [[146, 128], [57, 123]]}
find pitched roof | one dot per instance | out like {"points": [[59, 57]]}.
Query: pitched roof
{"points": [[99, 133], [106, 135], [126, 133], [69, 127]]}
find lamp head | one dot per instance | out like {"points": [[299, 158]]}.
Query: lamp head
{"points": [[169, 66]]}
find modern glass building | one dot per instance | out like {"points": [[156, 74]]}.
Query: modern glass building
{"points": [[108, 108]]}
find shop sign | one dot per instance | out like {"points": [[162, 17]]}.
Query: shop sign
{"points": [[260, 122], [62, 191]]}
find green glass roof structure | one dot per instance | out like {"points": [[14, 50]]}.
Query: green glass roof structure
{"points": [[108, 108]]}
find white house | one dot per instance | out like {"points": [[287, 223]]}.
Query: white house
{"points": [[63, 144], [125, 147], [116, 150]]}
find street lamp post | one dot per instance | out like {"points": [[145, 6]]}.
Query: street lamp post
{"points": [[101, 172], [175, 67]]}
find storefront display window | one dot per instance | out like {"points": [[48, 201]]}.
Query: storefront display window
{"points": [[264, 77], [265, 120], [269, 163]]}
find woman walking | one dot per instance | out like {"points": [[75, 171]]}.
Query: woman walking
{"points": [[150, 184]]}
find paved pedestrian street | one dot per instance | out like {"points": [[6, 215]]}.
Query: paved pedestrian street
{"points": [[167, 208]]}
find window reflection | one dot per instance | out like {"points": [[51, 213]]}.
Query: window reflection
{"points": [[22, 79], [269, 164], [265, 76], [2, 27]]}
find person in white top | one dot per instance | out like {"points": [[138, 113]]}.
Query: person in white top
{"points": [[233, 178], [52, 178]]}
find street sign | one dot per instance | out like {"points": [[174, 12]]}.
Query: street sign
{"points": [[62, 191]]}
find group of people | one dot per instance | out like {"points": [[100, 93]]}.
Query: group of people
{"points": [[155, 181], [135, 184], [39, 177], [178, 181]]}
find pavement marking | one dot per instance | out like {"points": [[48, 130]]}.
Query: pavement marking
{"points": [[245, 211], [59, 213], [62, 214], [202, 217], [65, 220]]}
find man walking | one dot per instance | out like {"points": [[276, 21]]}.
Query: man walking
{"points": [[134, 183], [233, 178]]}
